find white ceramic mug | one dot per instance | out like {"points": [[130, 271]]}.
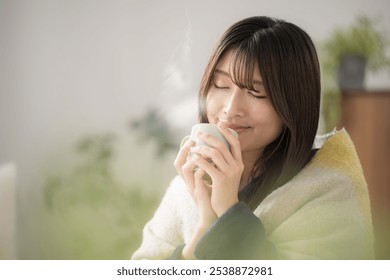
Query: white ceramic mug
{"points": [[211, 129], [207, 128]]}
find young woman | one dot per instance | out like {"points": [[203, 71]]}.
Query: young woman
{"points": [[273, 194]]}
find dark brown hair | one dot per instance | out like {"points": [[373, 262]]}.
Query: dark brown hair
{"points": [[289, 67]]}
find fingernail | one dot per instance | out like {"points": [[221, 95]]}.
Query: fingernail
{"points": [[194, 149], [190, 142], [222, 125]]}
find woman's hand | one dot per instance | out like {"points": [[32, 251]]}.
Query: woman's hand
{"points": [[225, 169], [199, 191]]}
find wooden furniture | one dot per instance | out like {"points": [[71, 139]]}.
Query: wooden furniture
{"points": [[366, 117]]}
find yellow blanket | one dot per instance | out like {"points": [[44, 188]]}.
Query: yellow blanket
{"points": [[322, 213]]}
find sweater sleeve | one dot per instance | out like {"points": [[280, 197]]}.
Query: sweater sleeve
{"points": [[163, 233], [237, 234]]}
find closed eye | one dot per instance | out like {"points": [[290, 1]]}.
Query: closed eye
{"points": [[257, 95], [220, 86]]}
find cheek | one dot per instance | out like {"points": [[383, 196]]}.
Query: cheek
{"points": [[267, 117], [212, 106], [274, 118]]}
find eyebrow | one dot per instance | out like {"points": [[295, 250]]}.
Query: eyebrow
{"points": [[224, 73]]}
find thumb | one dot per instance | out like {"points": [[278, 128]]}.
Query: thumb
{"points": [[201, 189]]}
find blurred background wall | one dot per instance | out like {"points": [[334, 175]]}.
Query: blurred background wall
{"points": [[94, 97]]}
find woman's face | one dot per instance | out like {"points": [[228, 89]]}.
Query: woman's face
{"points": [[248, 112]]}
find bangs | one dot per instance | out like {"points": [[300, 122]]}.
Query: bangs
{"points": [[242, 65]]}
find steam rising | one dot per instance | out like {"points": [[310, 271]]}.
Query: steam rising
{"points": [[178, 93]]}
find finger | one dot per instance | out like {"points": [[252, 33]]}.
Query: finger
{"points": [[215, 155], [198, 175], [212, 141], [182, 155], [217, 144], [202, 191], [207, 166], [235, 148], [187, 173]]}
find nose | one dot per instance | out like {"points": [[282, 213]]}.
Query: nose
{"points": [[234, 106]]}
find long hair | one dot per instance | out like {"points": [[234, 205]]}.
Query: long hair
{"points": [[289, 66]]}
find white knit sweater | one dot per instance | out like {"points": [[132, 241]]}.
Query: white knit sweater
{"points": [[322, 213]]}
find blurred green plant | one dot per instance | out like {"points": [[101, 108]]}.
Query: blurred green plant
{"points": [[90, 215], [152, 127], [363, 39]]}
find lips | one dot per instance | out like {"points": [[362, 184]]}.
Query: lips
{"points": [[237, 127]]}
